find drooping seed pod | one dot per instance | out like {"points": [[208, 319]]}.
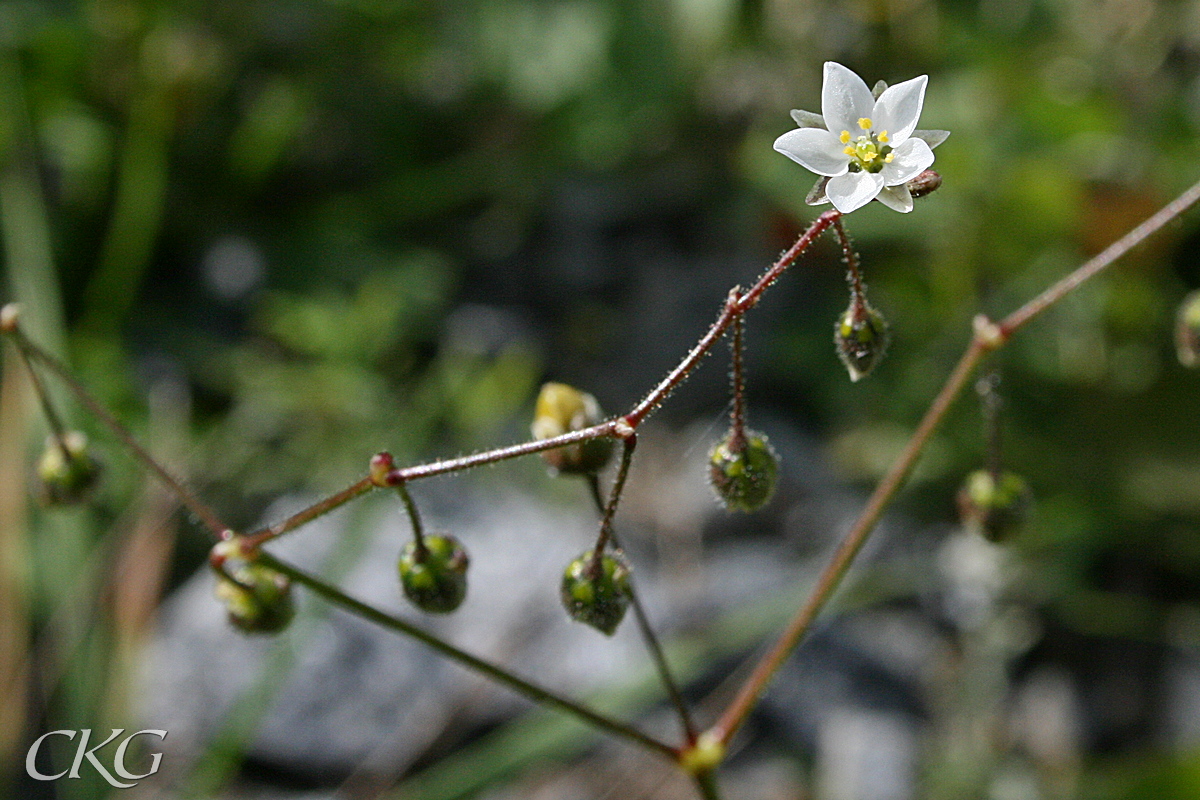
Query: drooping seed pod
{"points": [[1187, 330], [257, 599], [434, 578], [994, 508], [65, 478], [597, 600], [562, 409], [743, 471], [861, 336]]}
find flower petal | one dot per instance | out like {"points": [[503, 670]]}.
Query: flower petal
{"points": [[845, 99], [899, 107], [897, 198], [853, 190], [909, 160], [931, 138], [808, 119], [814, 149]]}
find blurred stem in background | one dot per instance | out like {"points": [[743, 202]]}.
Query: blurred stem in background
{"points": [[137, 211]]}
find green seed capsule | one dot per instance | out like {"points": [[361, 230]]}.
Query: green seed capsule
{"points": [[435, 581], [861, 336], [562, 409], [743, 473], [258, 599], [599, 601], [66, 478], [1187, 330], [994, 508]]}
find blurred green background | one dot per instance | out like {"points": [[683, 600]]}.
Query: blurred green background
{"points": [[278, 237]]}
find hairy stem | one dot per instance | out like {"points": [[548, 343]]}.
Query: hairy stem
{"points": [[319, 509], [498, 674], [734, 307], [433, 468], [610, 508], [414, 517], [853, 274], [737, 417]]}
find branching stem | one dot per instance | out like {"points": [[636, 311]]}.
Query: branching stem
{"points": [[193, 503], [988, 336]]}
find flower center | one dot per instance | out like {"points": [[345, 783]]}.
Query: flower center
{"points": [[869, 151]]}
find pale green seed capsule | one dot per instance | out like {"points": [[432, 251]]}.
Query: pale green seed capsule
{"points": [[994, 508], [258, 599], [861, 335], [743, 473], [436, 580], [596, 600], [65, 478], [1187, 330]]}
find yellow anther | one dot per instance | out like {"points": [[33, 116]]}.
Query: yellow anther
{"points": [[864, 123], [849, 150], [883, 136], [888, 159], [845, 137]]}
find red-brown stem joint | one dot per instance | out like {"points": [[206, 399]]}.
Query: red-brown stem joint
{"points": [[382, 471], [989, 335], [9, 316], [625, 428]]}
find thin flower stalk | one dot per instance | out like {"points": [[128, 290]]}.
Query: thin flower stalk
{"points": [[653, 645]]}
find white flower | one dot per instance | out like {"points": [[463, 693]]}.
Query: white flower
{"points": [[867, 146]]}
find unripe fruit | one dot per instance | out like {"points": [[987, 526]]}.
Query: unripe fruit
{"points": [[861, 336], [743, 473], [562, 409], [258, 599], [994, 508], [434, 580], [66, 478], [1187, 330], [596, 600]]}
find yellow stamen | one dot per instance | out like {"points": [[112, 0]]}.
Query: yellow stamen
{"points": [[883, 136], [888, 158], [845, 137], [849, 150], [864, 123]]}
